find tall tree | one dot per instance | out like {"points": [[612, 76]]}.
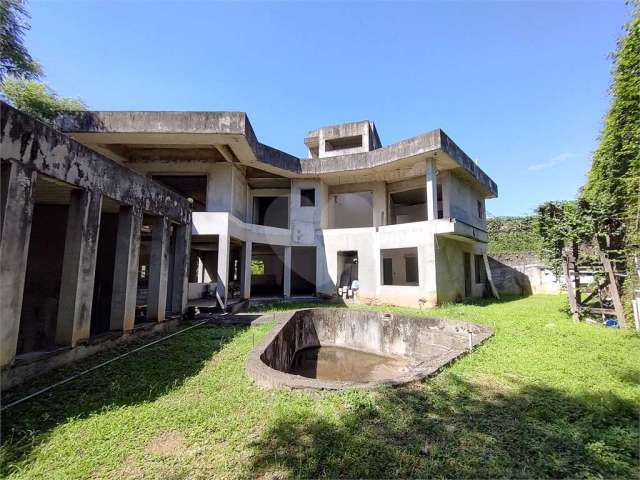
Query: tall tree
{"points": [[14, 57], [37, 99]]}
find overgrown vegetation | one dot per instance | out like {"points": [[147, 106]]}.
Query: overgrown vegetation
{"points": [[514, 235], [613, 186], [544, 398], [37, 99]]}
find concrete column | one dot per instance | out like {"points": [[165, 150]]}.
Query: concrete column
{"points": [[125, 271], [159, 270], [287, 272], [446, 194], [194, 262], [181, 269], [432, 190], [78, 267], [222, 277], [17, 212], [245, 283]]}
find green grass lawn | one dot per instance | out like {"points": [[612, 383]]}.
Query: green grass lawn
{"points": [[544, 397]]}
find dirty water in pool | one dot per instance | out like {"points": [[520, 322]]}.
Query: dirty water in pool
{"points": [[345, 364]]}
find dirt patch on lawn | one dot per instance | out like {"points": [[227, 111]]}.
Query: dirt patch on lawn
{"points": [[167, 443]]}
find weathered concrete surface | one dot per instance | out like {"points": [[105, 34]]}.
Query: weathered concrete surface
{"points": [[17, 207], [125, 275], [425, 344], [38, 147], [523, 274], [79, 267], [159, 270]]}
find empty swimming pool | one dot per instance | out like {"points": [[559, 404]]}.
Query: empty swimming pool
{"points": [[327, 348]]}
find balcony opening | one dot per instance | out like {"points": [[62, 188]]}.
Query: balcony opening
{"points": [[189, 186], [271, 211], [351, 210], [400, 266], [343, 143], [408, 206]]}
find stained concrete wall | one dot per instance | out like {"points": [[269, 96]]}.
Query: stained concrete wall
{"points": [[463, 202], [523, 274], [35, 152], [450, 269], [351, 210]]}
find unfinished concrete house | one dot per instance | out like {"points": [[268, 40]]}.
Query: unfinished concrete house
{"points": [[113, 221], [402, 224]]}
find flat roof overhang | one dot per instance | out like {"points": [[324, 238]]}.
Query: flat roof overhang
{"points": [[233, 130]]}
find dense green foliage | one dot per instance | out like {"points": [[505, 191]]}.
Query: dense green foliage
{"points": [[37, 99], [613, 186], [544, 398], [513, 235], [614, 178], [14, 56], [608, 210]]}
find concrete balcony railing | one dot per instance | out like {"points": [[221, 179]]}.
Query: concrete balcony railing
{"points": [[456, 227]]}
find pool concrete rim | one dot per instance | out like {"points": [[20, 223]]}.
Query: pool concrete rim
{"points": [[270, 378]]}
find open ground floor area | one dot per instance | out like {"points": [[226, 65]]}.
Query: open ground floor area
{"points": [[543, 398]]}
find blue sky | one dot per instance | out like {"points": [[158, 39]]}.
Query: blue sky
{"points": [[521, 87]]}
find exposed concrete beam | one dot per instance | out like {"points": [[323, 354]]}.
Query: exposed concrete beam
{"points": [[79, 267], [17, 213], [227, 153]]}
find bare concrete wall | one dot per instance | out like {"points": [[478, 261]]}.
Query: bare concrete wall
{"points": [[523, 274]]}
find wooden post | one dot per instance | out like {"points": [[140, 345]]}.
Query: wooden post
{"points": [[613, 288], [573, 304]]}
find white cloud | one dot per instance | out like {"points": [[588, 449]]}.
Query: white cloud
{"points": [[553, 162]]}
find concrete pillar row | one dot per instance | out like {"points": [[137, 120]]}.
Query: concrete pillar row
{"points": [[287, 272], [245, 281], [18, 186], [181, 264], [79, 267], [222, 276], [125, 272], [158, 270], [432, 190]]}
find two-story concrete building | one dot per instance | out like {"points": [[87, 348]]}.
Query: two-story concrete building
{"points": [[401, 224]]}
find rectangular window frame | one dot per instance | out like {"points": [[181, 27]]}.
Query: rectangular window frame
{"points": [[307, 199]]}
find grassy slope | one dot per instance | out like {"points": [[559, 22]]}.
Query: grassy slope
{"points": [[544, 398]]}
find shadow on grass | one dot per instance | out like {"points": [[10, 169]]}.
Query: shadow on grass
{"points": [[456, 430], [141, 377]]}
